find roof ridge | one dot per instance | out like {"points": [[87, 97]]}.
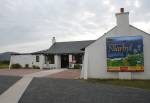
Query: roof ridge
{"points": [[75, 41], [140, 30]]}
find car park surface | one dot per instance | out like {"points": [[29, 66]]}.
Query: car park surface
{"points": [[48, 90]]}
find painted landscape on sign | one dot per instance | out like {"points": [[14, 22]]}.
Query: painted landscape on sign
{"points": [[125, 54]]}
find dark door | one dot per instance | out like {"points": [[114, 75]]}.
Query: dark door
{"points": [[64, 61]]}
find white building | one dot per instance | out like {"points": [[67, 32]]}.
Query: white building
{"points": [[59, 55], [95, 58]]}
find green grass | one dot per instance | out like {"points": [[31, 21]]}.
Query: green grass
{"points": [[144, 84], [2, 66]]}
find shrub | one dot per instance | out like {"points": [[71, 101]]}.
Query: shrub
{"points": [[77, 66], [4, 62], [16, 66], [35, 67]]}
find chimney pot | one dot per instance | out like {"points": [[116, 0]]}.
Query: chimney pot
{"points": [[122, 10]]}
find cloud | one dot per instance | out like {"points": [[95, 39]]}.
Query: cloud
{"points": [[28, 25]]}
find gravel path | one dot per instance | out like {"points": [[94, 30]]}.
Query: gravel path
{"points": [[6, 82], [46, 90]]}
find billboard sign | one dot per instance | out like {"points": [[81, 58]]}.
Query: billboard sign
{"points": [[125, 54]]}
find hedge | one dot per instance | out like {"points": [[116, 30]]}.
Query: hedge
{"points": [[16, 66]]}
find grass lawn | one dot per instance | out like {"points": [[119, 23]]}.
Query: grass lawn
{"points": [[144, 84], [2, 66]]}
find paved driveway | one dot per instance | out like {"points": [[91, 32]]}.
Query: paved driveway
{"points": [[13, 94], [46, 90], [67, 74], [17, 72]]}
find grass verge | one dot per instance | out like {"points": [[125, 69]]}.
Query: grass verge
{"points": [[144, 84], [2, 66]]}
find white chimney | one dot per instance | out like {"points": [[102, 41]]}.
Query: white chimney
{"points": [[123, 21], [53, 40]]}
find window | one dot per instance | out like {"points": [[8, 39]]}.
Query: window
{"points": [[45, 57], [26, 65], [51, 59], [37, 58], [78, 58]]}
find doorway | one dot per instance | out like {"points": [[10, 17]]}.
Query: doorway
{"points": [[64, 61]]}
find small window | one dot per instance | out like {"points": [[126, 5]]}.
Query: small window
{"points": [[37, 58], [51, 59]]}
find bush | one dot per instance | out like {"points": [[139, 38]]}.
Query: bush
{"points": [[35, 67], [4, 62], [77, 66], [16, 66]]}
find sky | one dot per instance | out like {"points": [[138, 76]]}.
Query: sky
{"points": [[29, 25]]}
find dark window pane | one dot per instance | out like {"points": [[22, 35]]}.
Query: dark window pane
{"points": [[78, 58], [37, 58], [51, 59]]}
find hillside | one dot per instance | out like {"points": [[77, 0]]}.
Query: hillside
{"points": [[5, 56]]}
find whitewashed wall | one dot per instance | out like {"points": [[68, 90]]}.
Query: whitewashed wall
{"points": [[95, 65], [22, 60], [41, 61], [27, 59], [31, 60], [146, 42]]}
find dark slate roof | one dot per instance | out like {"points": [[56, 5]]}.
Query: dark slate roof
{"points": [[68, 47], [33, 53], [40, 52]]}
